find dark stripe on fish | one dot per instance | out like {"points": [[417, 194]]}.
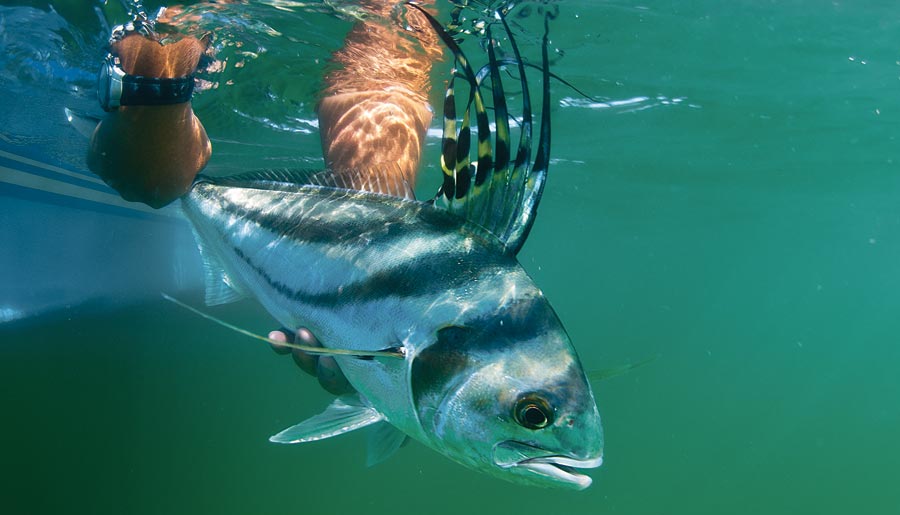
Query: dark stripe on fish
{"points": [[437, 367], [378, 230], [457, 347], [402, 281]]}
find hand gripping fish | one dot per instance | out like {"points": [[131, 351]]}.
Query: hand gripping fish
{"points": [[442, 333]]}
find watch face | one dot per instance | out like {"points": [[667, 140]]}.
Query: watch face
{"points": [[103, 85], [109, 84]]}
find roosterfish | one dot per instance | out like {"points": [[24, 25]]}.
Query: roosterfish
{"points": [[441, 332]]}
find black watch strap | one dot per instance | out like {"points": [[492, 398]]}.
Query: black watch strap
{"points": [[149, 91], [116, 88]]}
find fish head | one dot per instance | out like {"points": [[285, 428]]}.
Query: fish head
{"points": [[505, 393]]}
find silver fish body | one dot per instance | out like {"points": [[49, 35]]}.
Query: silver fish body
{"points": [[480, 367], [346, 264], [366, 271]]}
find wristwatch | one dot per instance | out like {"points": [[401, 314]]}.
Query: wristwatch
{"points": [[116, 88]]}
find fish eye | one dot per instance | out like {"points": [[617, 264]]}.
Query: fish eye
{"points": [[533, 412]]}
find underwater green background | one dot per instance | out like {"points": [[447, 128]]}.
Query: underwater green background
{"points": [[727, 201]]}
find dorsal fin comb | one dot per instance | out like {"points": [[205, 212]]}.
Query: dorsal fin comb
{"points": [[501, 198]]}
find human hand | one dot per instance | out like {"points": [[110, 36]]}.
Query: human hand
{"points": [[151, 153], [325, 368]]}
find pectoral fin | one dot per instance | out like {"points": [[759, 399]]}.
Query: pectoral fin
{"points": [[608, 373], [343, 415]]}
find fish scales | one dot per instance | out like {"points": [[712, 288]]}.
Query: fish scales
{"points": [[330, 248], [390, 262]]}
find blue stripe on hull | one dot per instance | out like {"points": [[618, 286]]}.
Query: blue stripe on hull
{"points": [[37, 181], [46, 197]]}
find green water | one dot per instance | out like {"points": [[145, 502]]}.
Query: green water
{"points": [[737, 215]]}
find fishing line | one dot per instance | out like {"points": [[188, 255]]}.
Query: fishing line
{"points": [[321, 351]]}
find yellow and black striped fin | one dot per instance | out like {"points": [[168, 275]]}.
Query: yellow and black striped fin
{"points": [[498, 194], [448, 142], [528, 182], [507, 193], [462, 180]]}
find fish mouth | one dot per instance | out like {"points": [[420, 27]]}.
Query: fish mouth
{"points": [[555, 467]]}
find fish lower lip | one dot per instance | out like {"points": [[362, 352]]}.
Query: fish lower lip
{"points": [[557, 467], [562, 469]]}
